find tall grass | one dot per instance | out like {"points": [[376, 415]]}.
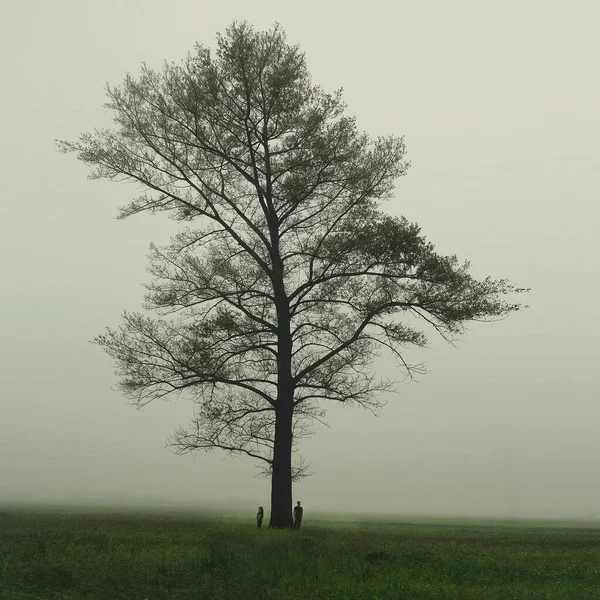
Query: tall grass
{"points": [[104, 557]]}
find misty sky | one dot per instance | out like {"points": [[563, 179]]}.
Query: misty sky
{"points": [[499, 104]]}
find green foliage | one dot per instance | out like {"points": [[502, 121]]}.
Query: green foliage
{"points": [[68, 557]]}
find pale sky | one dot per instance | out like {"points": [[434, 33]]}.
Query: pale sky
{"points": [[498, 102]]}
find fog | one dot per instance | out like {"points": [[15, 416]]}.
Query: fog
{"points": [[498, 102]]}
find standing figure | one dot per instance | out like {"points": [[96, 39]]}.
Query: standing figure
{"points": [[298, 511], [260, 516]]}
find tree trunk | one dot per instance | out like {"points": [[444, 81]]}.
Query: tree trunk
{"points": [[281, 478]]}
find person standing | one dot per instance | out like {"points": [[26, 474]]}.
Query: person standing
{"points": [[260, 516], [298, 512]]}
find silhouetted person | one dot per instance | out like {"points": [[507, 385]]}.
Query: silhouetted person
{"points": [[298, 511], [260, 515]]}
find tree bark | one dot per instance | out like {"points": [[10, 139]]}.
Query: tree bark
{"points": [[281, 478]]}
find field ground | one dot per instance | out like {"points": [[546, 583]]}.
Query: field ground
{"points": [[72, 556]]}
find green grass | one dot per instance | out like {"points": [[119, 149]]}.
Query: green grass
{"points": [[135, 557]]}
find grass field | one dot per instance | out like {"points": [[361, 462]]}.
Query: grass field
{"points": [[58, 556]]}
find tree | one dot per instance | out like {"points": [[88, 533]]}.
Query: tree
{"points": [[289, 278]]}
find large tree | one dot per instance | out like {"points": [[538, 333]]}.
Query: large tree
{"points": [[288, 279]]}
